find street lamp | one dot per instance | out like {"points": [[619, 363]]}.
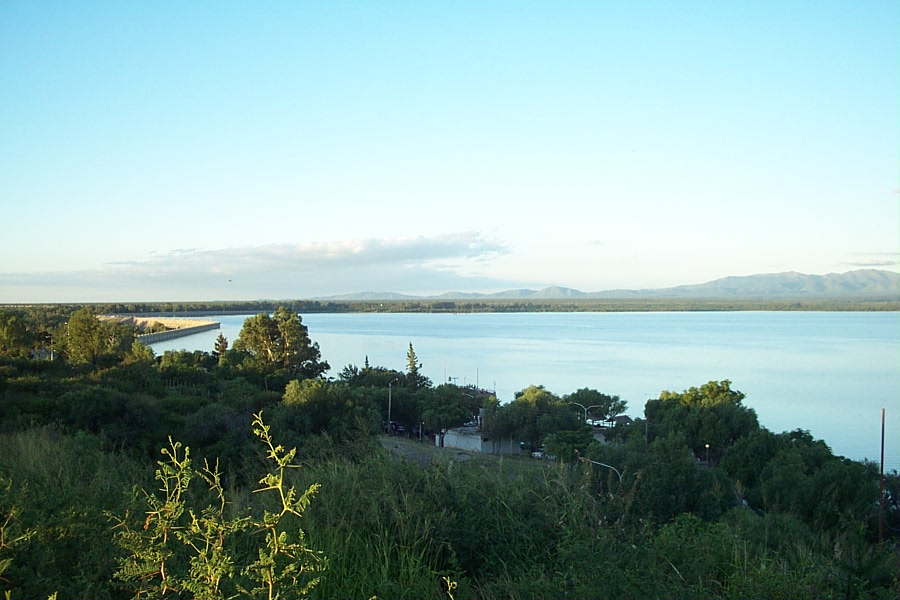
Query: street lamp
{"points": [[585, 409], [585, 459], [707, 455], [390, 426]]}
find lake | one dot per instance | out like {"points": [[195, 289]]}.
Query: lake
{"points": [[828, 372]]}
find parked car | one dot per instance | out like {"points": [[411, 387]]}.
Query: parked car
{"points": [[395, 428]]}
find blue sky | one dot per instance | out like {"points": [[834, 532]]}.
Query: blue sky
{"points": [[217, 151]]}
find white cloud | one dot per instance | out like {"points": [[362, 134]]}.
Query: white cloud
{"points": [[410, 265], [874, 260], [313, 256]]}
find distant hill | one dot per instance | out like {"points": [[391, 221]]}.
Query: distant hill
{"points": [[370, 296], [860, 284], [864, 283]]}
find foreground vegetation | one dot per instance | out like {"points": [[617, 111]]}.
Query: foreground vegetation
{"points": [[695, 500]]}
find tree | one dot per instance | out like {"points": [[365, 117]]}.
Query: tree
{"points": [[414, 379], [568, 445], [117, 339], [534, 413], [258, 337], [369, 376], [349, 373], [315, 405], [304, 392], [442, 418], [220, 347], [447, 406], [671, 483], [90, 339], [299, 355], [794, 473], [281, 342], [711, 414], [140, 353], [14, 339], [85, 338], [596, 403]]}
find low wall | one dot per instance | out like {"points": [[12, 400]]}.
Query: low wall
{"points": [[171, 334], [462, 441]]}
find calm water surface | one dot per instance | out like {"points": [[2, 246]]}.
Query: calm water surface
{"points": [[830, 373]]}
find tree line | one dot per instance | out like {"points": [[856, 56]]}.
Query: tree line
{"points": [[480, 305], [124, 475]]}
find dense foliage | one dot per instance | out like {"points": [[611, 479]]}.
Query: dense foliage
{"points": [[124, 474]]}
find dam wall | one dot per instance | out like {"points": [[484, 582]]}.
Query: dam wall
{"points": [[171, 334]]}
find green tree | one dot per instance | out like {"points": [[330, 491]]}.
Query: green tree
{"points": [[332, 412], [794, 473], [672, 483], [220, 347], [14, 338], [259, 339], [568, 445], [281, 343], [349, 374], [304, 392], [414, 379], [299, 355], [140, 353], [711, 414], [369, 376], [117, 339], [533, 414], [445, 407], [85, 344], [597, 404], [312, 401], [90, 339]]}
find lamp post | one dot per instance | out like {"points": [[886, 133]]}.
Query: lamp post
{"points": [[390, 427], [707, 455], [585, 409], [584, 459]]}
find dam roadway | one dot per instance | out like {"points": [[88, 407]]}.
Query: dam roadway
{"points": [[171, 334]]}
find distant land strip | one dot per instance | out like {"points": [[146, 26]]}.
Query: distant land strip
{"points": [[181, 310], [860, 290]]}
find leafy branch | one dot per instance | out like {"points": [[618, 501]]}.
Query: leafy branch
{"points": [[182, 551]]}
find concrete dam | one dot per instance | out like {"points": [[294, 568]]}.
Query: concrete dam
{"points": [[171, 334]]}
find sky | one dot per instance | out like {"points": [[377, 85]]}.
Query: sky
{"points": [[178, 151]]}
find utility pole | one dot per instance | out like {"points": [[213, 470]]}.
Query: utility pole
{"points": [[881, 486], [390, 426]]}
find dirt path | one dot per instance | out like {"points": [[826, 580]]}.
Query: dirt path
{"points": [[422, 453]]}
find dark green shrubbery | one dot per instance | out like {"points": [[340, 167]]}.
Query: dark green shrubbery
{"points": [[652, 514]]}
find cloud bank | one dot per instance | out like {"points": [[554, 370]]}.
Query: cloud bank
{"points": [[412, 265]]}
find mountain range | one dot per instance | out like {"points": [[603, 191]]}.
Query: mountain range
{"points": [[859, 284]]}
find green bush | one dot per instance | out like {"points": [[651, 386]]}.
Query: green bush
{"points": [[59, 488]]}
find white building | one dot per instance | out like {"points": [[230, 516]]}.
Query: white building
{"points": [[470, 438]]}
